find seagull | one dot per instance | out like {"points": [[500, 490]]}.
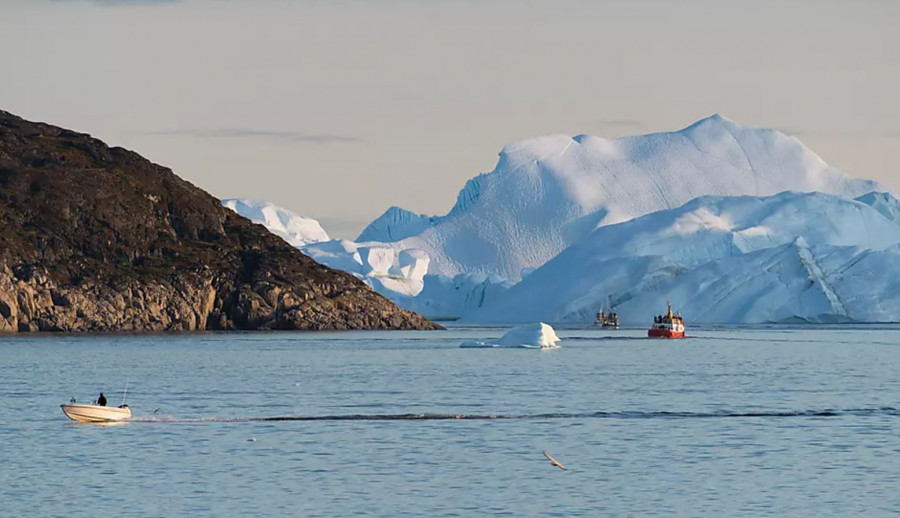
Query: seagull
{"points": [[553, 461]]}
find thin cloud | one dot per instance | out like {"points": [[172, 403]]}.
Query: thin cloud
{"points": [[119, 3], [288, 136]]}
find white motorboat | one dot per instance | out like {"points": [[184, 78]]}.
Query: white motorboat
{"points": [[95, 413]]}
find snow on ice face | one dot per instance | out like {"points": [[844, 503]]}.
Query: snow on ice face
{"points": [[445, 297], [699, 220], [296, 230], [412, 264], [376, 261], [884, 203], [395, 274]]}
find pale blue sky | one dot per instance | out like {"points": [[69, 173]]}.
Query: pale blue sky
{"points": [[339, 109]]}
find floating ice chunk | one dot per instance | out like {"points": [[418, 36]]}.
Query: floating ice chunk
{"points": [[526, 336]]}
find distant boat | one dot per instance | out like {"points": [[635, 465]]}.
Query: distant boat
{"points": [[667, 326], [95, 413], [610, 319]]}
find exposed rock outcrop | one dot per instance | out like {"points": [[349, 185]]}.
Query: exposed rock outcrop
{"points": [[99, 239]]}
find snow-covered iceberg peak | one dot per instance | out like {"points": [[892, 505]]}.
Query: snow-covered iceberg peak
{"points": [[532, 336], [549, 192], [293, 228], [394, 225]]}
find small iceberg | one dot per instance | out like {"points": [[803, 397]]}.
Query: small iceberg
{"points": [[528, 336]]}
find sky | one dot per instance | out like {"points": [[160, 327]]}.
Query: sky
{"points": [[339, 109]]}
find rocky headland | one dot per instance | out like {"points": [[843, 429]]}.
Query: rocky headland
{"points": [[97, 238]]}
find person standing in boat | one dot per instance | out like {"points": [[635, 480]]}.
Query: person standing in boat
{"points": [[101, 400]]}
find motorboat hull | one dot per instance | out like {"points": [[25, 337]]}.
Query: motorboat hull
{"points": [[95, 413]]}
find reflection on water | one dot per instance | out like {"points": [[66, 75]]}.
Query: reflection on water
{"points": [[101, 423], [775, 421]]}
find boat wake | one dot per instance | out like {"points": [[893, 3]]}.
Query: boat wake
{"points": [[857, 412]]}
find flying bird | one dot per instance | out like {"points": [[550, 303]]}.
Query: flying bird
{"points": [[553, 461]]}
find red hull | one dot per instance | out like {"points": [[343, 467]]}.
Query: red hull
{"points": [[664, 333]]}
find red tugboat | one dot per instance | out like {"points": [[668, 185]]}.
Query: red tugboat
{"points": [[667, 326]]}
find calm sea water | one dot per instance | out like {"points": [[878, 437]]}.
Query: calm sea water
{"points": [[740, 422]]}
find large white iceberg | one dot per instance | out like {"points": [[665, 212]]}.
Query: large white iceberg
{"points": [[808, 256], [550, 192], [574, 200], [538, 335]]}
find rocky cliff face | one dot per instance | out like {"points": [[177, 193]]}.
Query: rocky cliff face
{"points": [[99, 239]]}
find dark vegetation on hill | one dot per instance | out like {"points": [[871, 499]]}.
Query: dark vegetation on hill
{"points": [[95, 238]]}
